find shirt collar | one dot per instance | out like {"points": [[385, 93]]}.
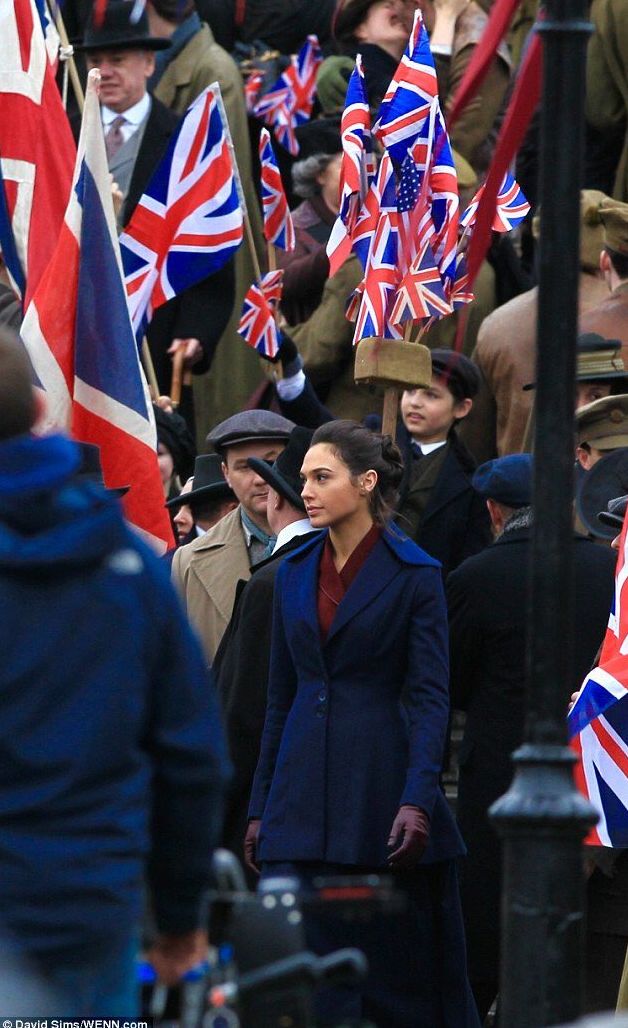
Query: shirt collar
{"points": [[134, 115], [295, 528], [426, 448]]}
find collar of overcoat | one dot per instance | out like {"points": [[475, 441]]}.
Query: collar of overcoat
{"points": [[384, 563], [218, 557]]}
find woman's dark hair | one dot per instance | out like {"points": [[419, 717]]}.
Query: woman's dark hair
{"points": [[362, 450], [347, 19]]}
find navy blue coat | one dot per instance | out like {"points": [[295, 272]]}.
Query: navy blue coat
{"points": [[356, 726]]}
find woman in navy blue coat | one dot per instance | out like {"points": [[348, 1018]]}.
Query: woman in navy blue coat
{"points": [[348, 774]]}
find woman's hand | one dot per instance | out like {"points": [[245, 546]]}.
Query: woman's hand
{"points": [[412, 826], [250, 845]]}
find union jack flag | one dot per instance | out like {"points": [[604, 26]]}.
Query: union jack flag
{"points": [[257, 322], [78, 334], [511, 209], [278, 227], [289, 103], [421, 294], [189, 221], [252, 87], [598, 722], [357, 170], [461, 292], [381, 275], [409, 98], [36, 146]]}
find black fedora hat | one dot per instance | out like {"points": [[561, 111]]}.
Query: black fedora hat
{"points": [[90, 469], [284, 475], [120, 28], [606, 481], [209, 483]]}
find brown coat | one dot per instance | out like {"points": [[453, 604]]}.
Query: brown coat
{"points": [[325, 341], [235, 371], [506, 353], [610, 318], [206, 573]]}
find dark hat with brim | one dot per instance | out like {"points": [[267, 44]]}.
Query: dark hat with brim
{"points": [[90, 469], [208, 484], [598, 360], [249, 426], [506, 480], [174, 434], [607, 480], [462, 376], [120, 27], [284, 476], [615, 513]]}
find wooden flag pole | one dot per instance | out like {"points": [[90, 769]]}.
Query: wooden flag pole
{"points": [[69, 58], [248, 232], [149, 368], [177, 375]]}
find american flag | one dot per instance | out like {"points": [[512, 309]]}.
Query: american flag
{"points": [[598, 722], [421, 294], [189, 221], [357, 170], [289, 103], [257, 322], [79, 337], [381, 275], [278, 227], [511, 209], [37, 151], [409, 98]]}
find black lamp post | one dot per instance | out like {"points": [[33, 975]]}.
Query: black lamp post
{"points": [[542, 818]]}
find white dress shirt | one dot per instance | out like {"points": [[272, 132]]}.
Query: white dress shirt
{"points": [[133, 117]]}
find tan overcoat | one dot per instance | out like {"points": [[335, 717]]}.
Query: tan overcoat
{"points": [[206, 573]]}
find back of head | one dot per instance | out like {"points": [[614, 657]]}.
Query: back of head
{"points": [[18, 408], [362, 450]]}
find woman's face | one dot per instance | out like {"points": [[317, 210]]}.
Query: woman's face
{"points": [[330, 493], [329, 181], [166, 465], [385, 25]]}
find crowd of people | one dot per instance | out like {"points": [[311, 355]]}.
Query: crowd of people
{"points": [[283, 682]]}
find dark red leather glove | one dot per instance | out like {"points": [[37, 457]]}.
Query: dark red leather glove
{"points": [[250, 845], [411, 828]]}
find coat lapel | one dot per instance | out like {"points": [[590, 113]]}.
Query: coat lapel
{"points": [[377, 572], [451, 482]]}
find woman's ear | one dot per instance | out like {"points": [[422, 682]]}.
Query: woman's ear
{"points": [[369, 481]]}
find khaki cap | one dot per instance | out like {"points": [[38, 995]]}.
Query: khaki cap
{"points": [[604, 423], [614, 215], [591, 227]]}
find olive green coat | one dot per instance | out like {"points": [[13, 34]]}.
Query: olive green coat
{"points": [[607, 79]]}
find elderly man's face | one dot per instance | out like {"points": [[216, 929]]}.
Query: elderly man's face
{"points": [[123, 76]]}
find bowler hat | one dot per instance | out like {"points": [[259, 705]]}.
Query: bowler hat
{"points": [[615, 513], [607, 479], [506, 480], [209, 483], [120, 27], [90, 469], [249, 426], [284, 475]]}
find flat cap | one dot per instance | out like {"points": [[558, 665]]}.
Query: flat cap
{"points": [[247, 426], [597, 488], [604, 423], [461, 374], [614, 215], [506, 480], [598, 360]]}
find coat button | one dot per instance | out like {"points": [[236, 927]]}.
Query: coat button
{"points": [[321, 710], [322, 695]]}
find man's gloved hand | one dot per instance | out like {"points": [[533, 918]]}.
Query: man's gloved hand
{"points": [[332, 81], [411, 828], [250, 845], [288, 354]]}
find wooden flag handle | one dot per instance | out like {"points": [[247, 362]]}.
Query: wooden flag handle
{"points": [[390, 410], [177, 375]]}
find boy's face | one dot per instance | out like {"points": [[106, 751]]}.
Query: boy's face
{"points": [[428, 414]]}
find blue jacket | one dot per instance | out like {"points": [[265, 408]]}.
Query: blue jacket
{"points": [[356, 726], [111, 750]]}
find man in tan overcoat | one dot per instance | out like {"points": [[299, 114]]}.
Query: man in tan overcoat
{"points": [[207, 571]]}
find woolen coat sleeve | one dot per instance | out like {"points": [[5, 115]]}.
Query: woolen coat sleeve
{"points": [[282, 683], [426, 693]]}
